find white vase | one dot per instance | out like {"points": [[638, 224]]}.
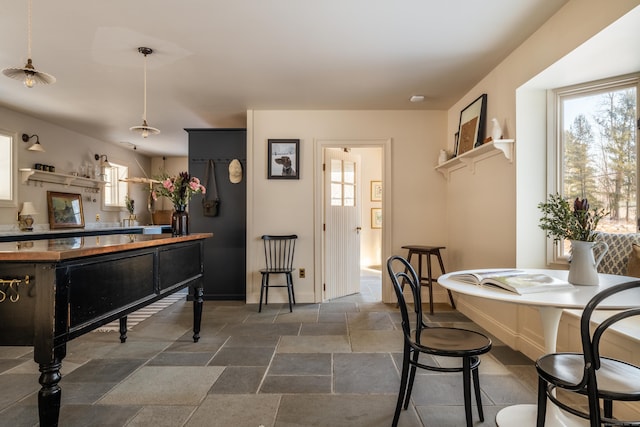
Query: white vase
{"points": [[583, 266], [443, 157], [496, 130]]}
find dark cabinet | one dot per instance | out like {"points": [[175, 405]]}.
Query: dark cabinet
{"points": [[225, 253]]}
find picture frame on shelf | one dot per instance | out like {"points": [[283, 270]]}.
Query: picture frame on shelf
{"points": [[376, 217], [65, 210], [471, 127], [376, 191], [455, 146], [283, 159]]}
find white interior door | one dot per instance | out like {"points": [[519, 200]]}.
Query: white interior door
{"points": [[342, 221]]}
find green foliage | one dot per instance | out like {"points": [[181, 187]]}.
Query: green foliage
{"points": [[130, 204], [561, 222]]}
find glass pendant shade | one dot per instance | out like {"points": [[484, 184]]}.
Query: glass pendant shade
{"points": [[29, 75]]}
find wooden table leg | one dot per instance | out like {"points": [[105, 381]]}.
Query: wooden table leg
{"points": [[198, 292], [453, 304], [123, 328], [50, 394], [429, 280]]}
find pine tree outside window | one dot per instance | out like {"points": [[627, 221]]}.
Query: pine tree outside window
{"points": [[596, 150]]}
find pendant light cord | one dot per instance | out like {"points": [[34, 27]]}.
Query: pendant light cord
{"points": [[29, 31], [144, 111]]}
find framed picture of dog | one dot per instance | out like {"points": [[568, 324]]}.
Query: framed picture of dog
{"points": [[284, 159]]}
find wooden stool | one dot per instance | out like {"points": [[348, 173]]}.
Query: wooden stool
{"points": [[428, 280]]}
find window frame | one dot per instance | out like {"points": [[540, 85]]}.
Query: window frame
{"points": [[12, 174], [120, 186], [555, 147]]}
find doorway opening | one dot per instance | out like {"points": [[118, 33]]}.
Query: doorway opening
{"points": [[338, 229]]}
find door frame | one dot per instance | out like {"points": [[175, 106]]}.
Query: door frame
{"points": [[319, 145]]}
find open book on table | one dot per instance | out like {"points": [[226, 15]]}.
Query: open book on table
{"points": [[517, 281]]}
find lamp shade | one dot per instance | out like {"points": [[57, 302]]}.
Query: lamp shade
{"points": [[28, 209], [36, 147]]}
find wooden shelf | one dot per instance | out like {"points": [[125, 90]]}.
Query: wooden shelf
{"points": [[470, 158], [27, 175]]}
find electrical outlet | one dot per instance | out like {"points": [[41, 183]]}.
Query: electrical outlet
{"points": [[303, 272]]}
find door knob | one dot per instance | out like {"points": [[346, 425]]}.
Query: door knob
{"points": [[358, 229]]}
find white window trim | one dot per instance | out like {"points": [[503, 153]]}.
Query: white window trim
{"points": [[12, 201], [111, 207], [554, 138]]}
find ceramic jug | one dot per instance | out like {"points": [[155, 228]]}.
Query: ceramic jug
{"points": [[583, 267]]}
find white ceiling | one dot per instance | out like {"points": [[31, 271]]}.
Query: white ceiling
{"points": [[215, 59]]}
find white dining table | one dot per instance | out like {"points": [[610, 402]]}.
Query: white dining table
{"points": [[550, 305]]}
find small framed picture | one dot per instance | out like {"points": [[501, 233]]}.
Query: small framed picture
{"points": [[471, 126], [376, 191], [65, 210], [455, 146], [376, 217], [284, 159]]}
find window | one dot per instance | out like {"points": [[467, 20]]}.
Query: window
{"points": [[8, 172], [596, 150], [343, 183], [115, 189]]}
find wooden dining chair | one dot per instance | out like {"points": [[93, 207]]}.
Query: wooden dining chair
{"points": [[589, 373], [434, 341], [278, 255]]}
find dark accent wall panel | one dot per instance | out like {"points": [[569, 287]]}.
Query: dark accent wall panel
{"points": [[225, 253]]}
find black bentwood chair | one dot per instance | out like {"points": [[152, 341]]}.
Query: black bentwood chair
{"points": [[278, 254], [588, 373], [433, 341]]}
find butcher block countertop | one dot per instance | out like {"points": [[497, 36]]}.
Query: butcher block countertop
{"points": [[84, 246]]}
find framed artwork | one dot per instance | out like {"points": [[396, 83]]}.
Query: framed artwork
{"points": [[65, 210], [457, 141], [284, 159], [376, 191], [471, 126], [376, 217]]}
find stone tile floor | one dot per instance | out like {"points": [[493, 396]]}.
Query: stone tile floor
{"points": [[330, 364]]}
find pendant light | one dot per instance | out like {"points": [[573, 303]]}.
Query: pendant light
{"points": [[145, 129], [28, 74]]}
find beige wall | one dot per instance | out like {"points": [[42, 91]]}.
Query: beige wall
{"points": [[370, 239], [67, 150], [287, 206], [493, 213], [172, 166]]}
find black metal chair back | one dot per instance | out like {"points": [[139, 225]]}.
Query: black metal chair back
{"points": [[597, 377], [279, 251], [435, 341]]}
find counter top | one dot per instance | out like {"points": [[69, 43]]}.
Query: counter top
{"points": [[83, 246], [14, 235]]}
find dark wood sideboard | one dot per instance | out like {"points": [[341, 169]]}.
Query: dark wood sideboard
{"points": [[54, 290]]}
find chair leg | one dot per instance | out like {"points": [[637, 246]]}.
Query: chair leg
{"points": [[466, 387], [429, 280], [453, 304], [293, 293], [262, 286], [476, 386], [542, 402], [289, 289], [608, 408], [412, 377], [594, 402], [403, 385]]}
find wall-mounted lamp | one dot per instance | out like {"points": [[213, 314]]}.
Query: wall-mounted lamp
{"points": [[25, 219], [103, 163], [36, 146]]}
